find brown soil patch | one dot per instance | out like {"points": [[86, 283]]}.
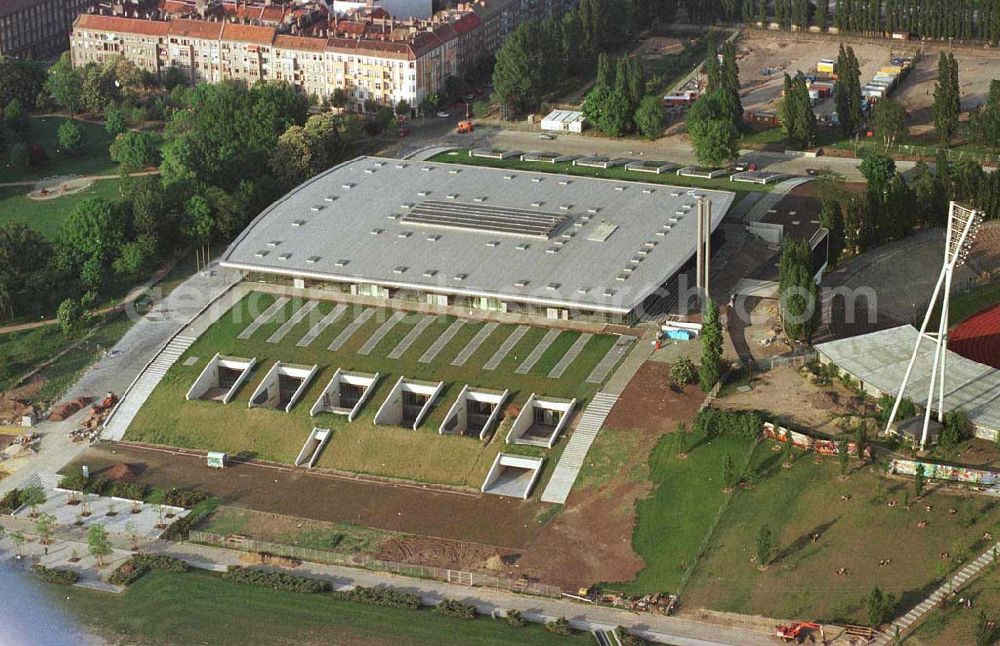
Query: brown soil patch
{"points": [[70, 408], [591, 540], [472, 517], [120, 471], [6, 440], [438, 553], [14, 404]]}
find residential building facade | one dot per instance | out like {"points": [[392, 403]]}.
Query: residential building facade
{"points": [[37, 28]]}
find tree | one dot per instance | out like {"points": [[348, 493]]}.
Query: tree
{"points": [[984, 631], [18, 539], [880, 605], [524, 68], [683, 372], [861, 439], [133, 151], [616, 118], [22, 79], [946, 105], [403, 108], [713, 73], [847, 89], [339, 98], [765, 545], [711, 347], [831, 218], [70, 315], [114, 122], [132, 531], [728, 471], [72, 137], [798, 294], [986, 119], [649, 117], [682, 437], [135, 257], [918, 480], [843, 456], [94, 229], [44, 525], [298, 156], [32, 497], [822, 9], [796, 113], [730, 77], [605, 75], [878, 170], [714, 137], [98, 543], [889, 119], [98, 89], [64, 84]]}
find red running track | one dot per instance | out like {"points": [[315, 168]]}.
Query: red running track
{"points": [[978, 337]]}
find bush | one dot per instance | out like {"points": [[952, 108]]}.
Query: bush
{"points": [[559, 626], [627, 638], [683, 372], [130, 490], [136, 567], [515, 619], [711, 422], [76, 482], [388, 597], [55, 575], [187, 498], [456, 609], [10, 502], [180, 529], [276, 580], [880, 606]]}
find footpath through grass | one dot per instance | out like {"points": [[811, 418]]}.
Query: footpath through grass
{"points": [[461, 156], [201, 608]]}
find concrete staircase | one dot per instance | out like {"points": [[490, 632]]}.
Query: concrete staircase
{"points": [[955, 583], [137, 394], [576, 450]]}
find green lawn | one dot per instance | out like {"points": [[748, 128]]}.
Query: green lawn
{"points": [[47, 216], [22, 351], [675, 521], [856, 534], [360, 447], [201, 608], [964, 305], [94, 159], [957, 624], [461, 156]]}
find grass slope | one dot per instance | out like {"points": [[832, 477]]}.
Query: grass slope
{"points": [[201, 608], [424, 455]]}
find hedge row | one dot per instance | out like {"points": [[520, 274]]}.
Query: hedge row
{"points": [[133, 569], [55, 575], [276, 580], [714, 423], [457, 609], [381, 597]]}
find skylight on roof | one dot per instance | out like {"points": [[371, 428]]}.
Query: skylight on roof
{"points": [[298, 223], [273, 243], [348, 186], [312, 260], [284, 256], [401, 269], [430, 273], [376, 232], [316, 207], [461, 276], [342, 262], [521, 283]]}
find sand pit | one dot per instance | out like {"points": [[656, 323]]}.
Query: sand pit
{"points": [[54, 187]]}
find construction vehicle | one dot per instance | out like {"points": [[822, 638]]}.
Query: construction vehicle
{"points": [[797, 631], [465, 126], [105, 404]]}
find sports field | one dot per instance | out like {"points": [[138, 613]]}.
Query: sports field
{"points": [[201, 608], [423, 455]]}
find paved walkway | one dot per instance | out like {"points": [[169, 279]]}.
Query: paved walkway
{"points": [[474, 344], [505, 347], [411, 336], [608, 361], [442, 341], [351, 328], [536, 354], [673, 630], [326, 322], [264, 317], [380, 333], [293, 320], [570, 356]]}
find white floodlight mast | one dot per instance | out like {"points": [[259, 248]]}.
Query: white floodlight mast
{"points": [[962, 225]]}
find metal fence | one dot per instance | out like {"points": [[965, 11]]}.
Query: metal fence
{"points": [[770, 363], [461, 577]]}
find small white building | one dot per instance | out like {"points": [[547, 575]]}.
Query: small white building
{"points": [[564, 121]]}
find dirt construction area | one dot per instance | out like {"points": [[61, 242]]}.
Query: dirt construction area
{"points": [[777, 54], [590, 541], [976, 68]]}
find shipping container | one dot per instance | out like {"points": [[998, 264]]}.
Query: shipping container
{"points": [[825, 66]]}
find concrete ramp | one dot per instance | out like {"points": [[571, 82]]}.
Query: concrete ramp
{"points": [[513, 475], [346, 393], [408, 403], [476, 412], [282, 386], [541, 421], [317, 439], [221, 378]]}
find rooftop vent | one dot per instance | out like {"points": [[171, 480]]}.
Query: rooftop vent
{"points": [[433, 237], [493, 243], [647, 191], [400, 166], [454, 171], [521, 283], [298, 223], [316, 207], [330, 198], [342, 262], [426, 168], [376, 232], [602, 231], [582, 290], [312, 260], [508, 177], [348, 186], [406, 205], [536, 180], [452, 196], [552, 250], [379, 164], [461, 276], [430, 273], [369, 171], [261, 253], [400, 270], [609, 292], [553, 286], [423, 193], [537, 203], [619, 188], [404, 234], [284, 256], [273, 243], [593, 210], [622, 276], [565, 207], [479, 199], [522, 246], [394, 216], [564, 182]]}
